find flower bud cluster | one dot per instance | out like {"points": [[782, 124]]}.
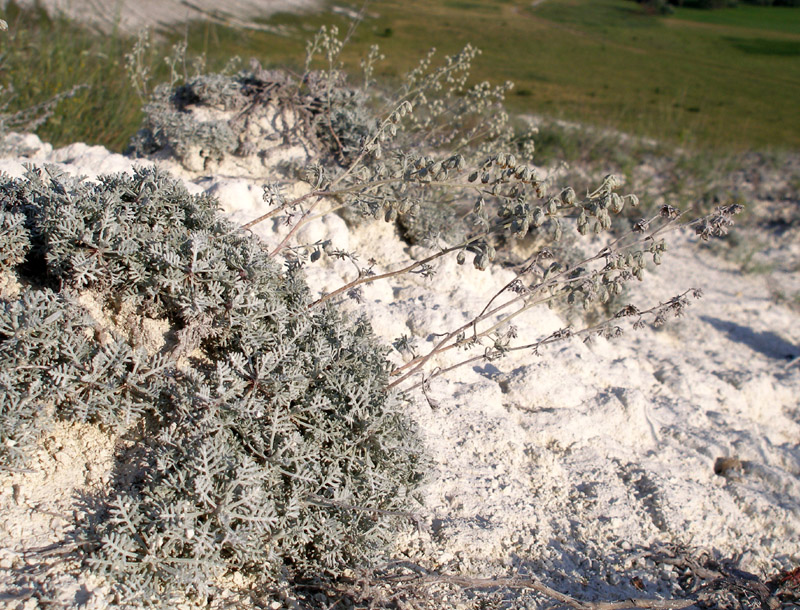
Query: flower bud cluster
{"points": [[503, 169], [392, 208], [425, 169], [718, 223], [626, 264], [485, 253], [657, 249], [600, 204]]}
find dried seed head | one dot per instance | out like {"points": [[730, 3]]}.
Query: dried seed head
{"points": [[669, 212], [521, 228], [611, 181], [617, 203], [568, 196]]}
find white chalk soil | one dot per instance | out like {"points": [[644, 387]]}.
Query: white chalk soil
{"points": [[576, 466]]}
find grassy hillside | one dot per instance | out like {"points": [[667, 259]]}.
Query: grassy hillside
{"points": [[726, 80], [604, 62]]}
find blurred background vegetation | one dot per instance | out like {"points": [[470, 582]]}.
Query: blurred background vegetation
{"points": [[725, 80]]}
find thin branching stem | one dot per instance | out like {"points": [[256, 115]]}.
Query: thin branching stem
{"points": [[561, 335], [417, 363], [538, 586]]}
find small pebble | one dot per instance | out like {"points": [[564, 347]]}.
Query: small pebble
{"points": [[237, 579]]}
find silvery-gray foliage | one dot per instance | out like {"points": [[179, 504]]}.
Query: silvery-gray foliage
{"points": [[170, 125], [14, 238], [251, 470], [320, 109], [51, 366], [269, 417]]}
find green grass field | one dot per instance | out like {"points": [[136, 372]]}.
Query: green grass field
{"points": [[725, 80], [747, 16]]}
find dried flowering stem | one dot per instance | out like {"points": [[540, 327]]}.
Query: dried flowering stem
{"points": [[295, 228], [558, 284], [606, 328], [530, 298], [364, 279], [284, 205], [505, 225]]}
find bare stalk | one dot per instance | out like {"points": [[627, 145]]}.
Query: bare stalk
{"points": [[559, 335], [374, 278], [294, 229], [538, 586]]}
